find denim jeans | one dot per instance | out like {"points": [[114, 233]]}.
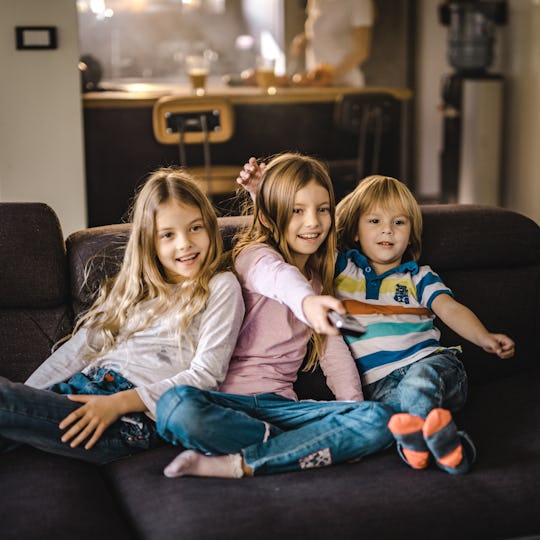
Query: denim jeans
{"points": [[274, 434], [439, 380], [31, 416]]}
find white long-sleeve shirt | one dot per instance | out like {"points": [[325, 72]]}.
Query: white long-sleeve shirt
{"points": [[150, 358]]}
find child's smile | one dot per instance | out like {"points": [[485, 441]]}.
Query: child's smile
{"points": [[310, 222], [182, 241]]}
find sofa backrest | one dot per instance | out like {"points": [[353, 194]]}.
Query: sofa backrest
{"points": [[490, 257], [34, 308]]}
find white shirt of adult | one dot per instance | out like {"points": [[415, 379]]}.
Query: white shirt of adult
{"points": [[329, 27]]}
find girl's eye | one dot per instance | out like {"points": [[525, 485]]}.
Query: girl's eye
{"points": [[399, 222], [297, 210], [197, 228], [166, 235], [324, 209], [373, 220]]}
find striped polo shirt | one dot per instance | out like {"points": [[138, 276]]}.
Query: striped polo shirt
{"points": [[395, 307]]}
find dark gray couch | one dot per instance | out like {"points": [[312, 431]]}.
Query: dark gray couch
{"points": [[491, 259]]}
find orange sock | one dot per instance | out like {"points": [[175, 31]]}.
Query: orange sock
{"points": [[442, 438], [407, 430]]}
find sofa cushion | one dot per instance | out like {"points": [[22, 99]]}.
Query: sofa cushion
{"points": [[33, 271], [94, 255], [27, 337], [471, 236], [34, 313], [498, 499], [46, 496]]}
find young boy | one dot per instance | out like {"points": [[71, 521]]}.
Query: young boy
{"points": [[400, 358]]}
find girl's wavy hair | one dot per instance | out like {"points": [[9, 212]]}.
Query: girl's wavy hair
{"points": [[142, 278], [282, 178], [383, 191]]}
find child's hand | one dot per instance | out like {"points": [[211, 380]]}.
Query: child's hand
{"points": [[499, 344], [91, 419], [316, 310], [250, 176]]}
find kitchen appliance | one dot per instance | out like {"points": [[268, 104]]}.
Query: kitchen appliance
{"points": [[470, 160]]}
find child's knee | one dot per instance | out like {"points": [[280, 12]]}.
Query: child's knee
{"points": [[177, 412]]}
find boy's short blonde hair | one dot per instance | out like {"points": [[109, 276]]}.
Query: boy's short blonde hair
{"points": [[383, 191]]}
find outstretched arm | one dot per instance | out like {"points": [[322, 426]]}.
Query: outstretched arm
{"points": [[465, 323]]}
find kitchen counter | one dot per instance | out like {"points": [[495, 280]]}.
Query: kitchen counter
{"points": [[139, 93], [133, 127]]}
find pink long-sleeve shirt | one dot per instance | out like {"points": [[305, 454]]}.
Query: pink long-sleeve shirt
{"points": [[274, 336]]}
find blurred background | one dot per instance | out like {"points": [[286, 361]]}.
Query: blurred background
{"points": [[43, 154]]}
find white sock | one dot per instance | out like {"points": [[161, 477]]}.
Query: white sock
{"points": [[191, 463]]}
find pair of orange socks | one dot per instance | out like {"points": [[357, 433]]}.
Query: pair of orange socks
{"points": [[418, 439]]}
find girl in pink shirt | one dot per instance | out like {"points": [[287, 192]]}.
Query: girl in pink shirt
{"points": [[255, 425]]}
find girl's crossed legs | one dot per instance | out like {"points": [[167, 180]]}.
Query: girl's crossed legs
{"points": [[272, 433]]}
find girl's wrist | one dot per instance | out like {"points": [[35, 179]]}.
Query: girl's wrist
{"points": [[128, 401]]}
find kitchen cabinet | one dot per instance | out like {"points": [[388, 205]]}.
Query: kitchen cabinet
{"points": [[131, 131]]}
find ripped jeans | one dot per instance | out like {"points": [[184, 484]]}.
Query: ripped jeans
{"points": [[31, 416], [273, 433]]}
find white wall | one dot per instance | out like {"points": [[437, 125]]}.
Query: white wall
{"points": [[518, 59], [41, 137], [431, 64], [523, 113]]}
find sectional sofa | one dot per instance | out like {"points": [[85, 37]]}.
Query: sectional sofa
{"points": [[491, 259]]}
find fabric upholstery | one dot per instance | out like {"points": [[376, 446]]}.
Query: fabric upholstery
{"points": [[490, 258], [33, 271], [33, 287]]}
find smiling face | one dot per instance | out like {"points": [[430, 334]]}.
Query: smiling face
{"points": [[384, 235], [181, 240], [310, 222]]}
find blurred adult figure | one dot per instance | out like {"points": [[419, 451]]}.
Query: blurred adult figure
{"points": [[336, 41]]}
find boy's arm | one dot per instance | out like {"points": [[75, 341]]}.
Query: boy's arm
{"points": [[465, 323]]}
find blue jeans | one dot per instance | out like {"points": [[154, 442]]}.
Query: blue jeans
{"points": [[31, 416], [439, 380], [274, 434]]}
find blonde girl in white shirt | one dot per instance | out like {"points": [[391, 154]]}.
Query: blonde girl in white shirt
{"points": [[170, 316]]}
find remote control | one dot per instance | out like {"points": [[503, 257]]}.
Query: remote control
{"points": [[346, 324]]}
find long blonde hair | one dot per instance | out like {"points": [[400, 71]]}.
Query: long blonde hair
{"points": [[141, 277], [383, 191], [282, 178]]}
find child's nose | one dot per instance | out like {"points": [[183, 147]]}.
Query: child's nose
{"points": [[312, 218], [183, 241]]}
